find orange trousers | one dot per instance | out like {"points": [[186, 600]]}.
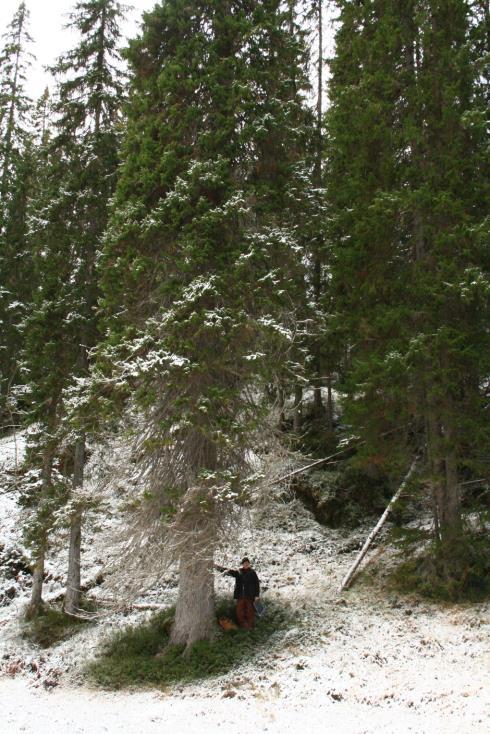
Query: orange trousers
{"points": [[245, 613]]}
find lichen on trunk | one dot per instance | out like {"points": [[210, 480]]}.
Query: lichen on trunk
{"points": [[194, 614], [193, 535]]}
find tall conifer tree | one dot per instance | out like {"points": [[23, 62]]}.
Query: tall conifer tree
{"points": [[16, 149], [406, 184], [67, 230], [194, 265]]}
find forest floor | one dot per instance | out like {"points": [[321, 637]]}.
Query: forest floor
{"points": [[368, 661]]}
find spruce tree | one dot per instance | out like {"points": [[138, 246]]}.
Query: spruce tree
{"points": [[449, 354], [16, 150], [68, 224], [196, 262], [89, 105], [406, 186]]}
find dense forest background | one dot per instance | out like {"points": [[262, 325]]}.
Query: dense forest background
{"points": [[209, 260]]}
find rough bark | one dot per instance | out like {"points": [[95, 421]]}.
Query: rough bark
{"points": [[194, 614], [195, 534], [72, 598], [36, 599]]}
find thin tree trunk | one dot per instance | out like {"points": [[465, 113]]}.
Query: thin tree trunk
{"points": [[451, 525], [433, 440], [36, 599], [281, 401], [72, 598], [318, 408], [298, 408], [445, 486], [38, 575], [329, 405], [452, 515]]}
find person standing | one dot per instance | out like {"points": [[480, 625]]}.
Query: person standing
{"points": [[246, 593]]}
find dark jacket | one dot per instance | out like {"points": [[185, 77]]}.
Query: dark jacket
{"points": [[247, 585]]}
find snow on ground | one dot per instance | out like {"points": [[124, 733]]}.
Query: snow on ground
{"points": [[364, 662]]}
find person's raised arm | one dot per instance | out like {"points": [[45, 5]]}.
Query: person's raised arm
{"points": [[226, 571]]}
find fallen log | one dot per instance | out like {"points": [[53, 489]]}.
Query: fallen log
{"points": [[350, 573]]}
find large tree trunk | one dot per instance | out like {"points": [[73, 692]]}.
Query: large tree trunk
{"points": [[194, 614], [36, 599], [195, 531], [72, 598]]}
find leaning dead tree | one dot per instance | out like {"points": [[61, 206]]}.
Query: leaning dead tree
{"points": [[352, 570]]}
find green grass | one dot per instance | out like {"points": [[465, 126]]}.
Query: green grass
{"points": [[140, 655], [51, 625]]}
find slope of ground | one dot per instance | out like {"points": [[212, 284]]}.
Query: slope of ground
{"points": [[368, 661]]}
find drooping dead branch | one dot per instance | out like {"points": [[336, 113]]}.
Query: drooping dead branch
{"points": [[302, 469]]}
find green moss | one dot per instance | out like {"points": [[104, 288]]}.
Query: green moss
{"points": [[140, 655], [51, 625]]}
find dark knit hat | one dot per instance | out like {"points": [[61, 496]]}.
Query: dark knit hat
{"points": [[245, 560]]}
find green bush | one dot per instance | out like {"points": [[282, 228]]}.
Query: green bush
{"points": [[455, 572], [141, 655]]}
